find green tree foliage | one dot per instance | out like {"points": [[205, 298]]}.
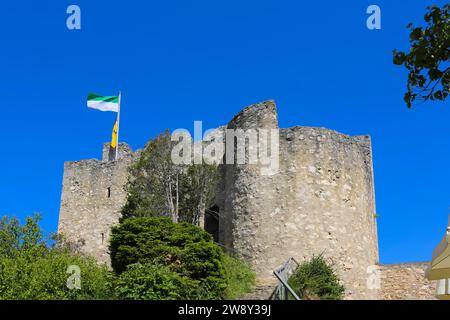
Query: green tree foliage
{"points": [[153, 182], [198, 186], [155, 282], [29, 269], [158, 282], [315, 279], [428, 59], [201, 269], [154, 258], [183, 247], [158, 187], [16, 238]]}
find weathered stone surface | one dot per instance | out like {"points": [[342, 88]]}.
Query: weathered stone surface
{"points": [[321, 201], [260, 292], [406, 281], [92, 197]]}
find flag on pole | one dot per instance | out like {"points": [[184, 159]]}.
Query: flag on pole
{"points": [[114, 136], [112, 155], [108, 103], [103, 103]]}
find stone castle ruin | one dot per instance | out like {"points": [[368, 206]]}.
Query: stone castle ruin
{"points": [[320, 200], [92, 197]]}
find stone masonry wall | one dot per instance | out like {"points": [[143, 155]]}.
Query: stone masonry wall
{"points": [[92, 196], [406, 281], [321, 201]]}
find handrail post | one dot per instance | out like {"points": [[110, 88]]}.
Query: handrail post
{"points": [[283, 288]]}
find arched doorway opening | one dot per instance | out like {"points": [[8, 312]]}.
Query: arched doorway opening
{"points": [[212, 222]]}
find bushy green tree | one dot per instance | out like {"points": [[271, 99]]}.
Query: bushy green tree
{"points": [[183, 247], [428, 58], [151, 281], [153, 184], [45, 278], [158, 187], [16, 239], [30, 269], [198, 189], [316, 280]]}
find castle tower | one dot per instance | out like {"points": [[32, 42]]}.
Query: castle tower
{"points": [[320, 201], [92, 197]]}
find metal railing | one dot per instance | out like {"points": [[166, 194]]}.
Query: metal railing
{"points": [[283, 290]]}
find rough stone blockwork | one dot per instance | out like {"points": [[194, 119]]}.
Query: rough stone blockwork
{"points": [[406, 281], [321, 201], [92, 197]]}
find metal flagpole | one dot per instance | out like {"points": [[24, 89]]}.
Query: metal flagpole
{"points": [[118, 124]]}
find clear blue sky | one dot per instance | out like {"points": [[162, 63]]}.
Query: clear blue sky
{"points": [[180, 61]]}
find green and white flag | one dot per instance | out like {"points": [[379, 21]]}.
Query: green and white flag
{"points": [[103, 103]]}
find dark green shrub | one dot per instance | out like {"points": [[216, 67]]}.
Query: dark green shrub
{"points": [[154, 282], [315, 279], [183, 248]]}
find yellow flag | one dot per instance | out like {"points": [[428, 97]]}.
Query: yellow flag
{"points": [[114, 136]]}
